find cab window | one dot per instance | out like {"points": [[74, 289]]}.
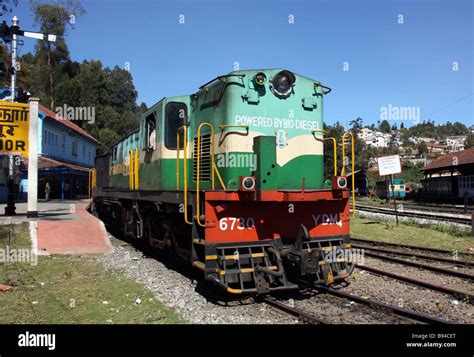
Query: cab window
{"points": [[150, 132], [175, 115]]}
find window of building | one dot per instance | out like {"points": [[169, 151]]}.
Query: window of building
{"points": [[74, 147], [84, 150], [175, 115], [63, 146]]}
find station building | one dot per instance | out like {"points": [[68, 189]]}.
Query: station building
{"points": [[66, 153], [450, 177]]}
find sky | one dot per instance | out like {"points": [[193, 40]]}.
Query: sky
{"points": [[379, 57]]}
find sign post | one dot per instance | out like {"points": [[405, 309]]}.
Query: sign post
{"points": [[389, 165], [394, 201], [32, 211], [14, 127]]}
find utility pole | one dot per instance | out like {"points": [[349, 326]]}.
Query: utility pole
{"points": [[15, 23], [11, 33], [10, 210]]}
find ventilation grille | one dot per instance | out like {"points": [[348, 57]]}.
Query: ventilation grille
{"points": [[205, 162]]}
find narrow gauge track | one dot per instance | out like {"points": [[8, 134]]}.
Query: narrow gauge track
{"points": [[436, 217], [413, 254], [464, 296], [407, 246], [424, 266], [306, 317], [300, 314], [445, 208], [410, 314]]}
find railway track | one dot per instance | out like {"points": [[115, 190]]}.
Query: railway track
{"points": [[404, 213], [458, 262], [301, 315], [464, 296], [420, 265], [407, 246], [444, 208], [410, 314], [309, 318]]}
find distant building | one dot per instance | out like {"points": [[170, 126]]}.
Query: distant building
{"points": [[455, 143], [434, 148], [66, 154], [365, 133], [378, 139], [426, 140]]}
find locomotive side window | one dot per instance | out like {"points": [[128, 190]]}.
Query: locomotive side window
{"points": [[150, 132], [175, 115]]}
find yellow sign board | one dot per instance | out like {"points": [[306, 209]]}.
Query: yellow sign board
{"points": [[14, 127]]}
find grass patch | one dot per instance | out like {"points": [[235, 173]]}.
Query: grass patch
{"points": [[73, 289], [431, 236]]}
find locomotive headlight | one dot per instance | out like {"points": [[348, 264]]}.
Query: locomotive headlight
{"points": [[342, 182], [282, 83], [260, 78], [338, 182], [247, 183]]}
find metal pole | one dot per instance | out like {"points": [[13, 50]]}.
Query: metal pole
{"points": [[10, 209], [15, 22], [33, 160], [394, 200]]}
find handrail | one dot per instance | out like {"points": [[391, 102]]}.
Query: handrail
{"points": [[334, 147], [353, 166], [130, 169], [92, 182], [185, 177], [213, 168], [133, 169], [136, 163], [320, 85], [224, 126]]}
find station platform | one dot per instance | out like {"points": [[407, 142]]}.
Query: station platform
{"points": [[63, 227]]}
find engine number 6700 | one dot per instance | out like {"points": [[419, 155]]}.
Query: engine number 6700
{"points": [[236, 223]]}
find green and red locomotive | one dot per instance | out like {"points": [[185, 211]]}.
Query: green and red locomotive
{"points": [[231, 180]]}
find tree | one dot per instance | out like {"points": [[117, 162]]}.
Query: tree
{"points": [[6, 6], [356, 123], [384, 127], [336, 131], [50, 57], [422, 148], [469, 142]]}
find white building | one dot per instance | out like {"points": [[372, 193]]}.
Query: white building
{"points": [[455, 143], [365, 133]]}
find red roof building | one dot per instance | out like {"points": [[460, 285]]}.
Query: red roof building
{"points": [[459, 162]]}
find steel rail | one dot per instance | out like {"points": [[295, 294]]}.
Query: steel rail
{"points": [[416, 264], [301, 315], [464, 296], [417, 316], [456, 209], [433, 250], [411, 254], [388, 211]]}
